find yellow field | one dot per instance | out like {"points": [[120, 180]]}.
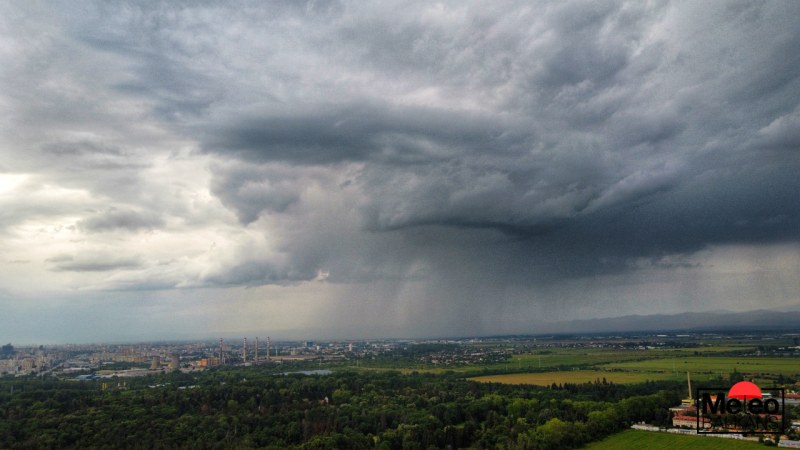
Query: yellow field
{"points": [[548, 378]]}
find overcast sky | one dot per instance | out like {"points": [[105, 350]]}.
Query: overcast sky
{"points": [[362, 169]]}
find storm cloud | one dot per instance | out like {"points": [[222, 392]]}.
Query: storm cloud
{"points": [[92, 263], [113, 218], [463, 169]]}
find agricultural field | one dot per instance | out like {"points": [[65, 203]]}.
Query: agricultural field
{"points": [[563, 362], [552, 358], [637, 366], [711, 365], [709, 349], [570, 357], [636, 439], [577, 377]]}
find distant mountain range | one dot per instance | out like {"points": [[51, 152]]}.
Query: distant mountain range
{"points": [[787, 319]]}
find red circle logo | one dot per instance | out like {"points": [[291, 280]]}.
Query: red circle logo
{"points": [[744, 389]]}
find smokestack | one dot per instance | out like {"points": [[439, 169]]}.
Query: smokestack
{"points": [[269, 347], [244, 350], [221, 353], [256, 361]]}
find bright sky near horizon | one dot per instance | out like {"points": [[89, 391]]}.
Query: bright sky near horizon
{"points": [[365, 169]]}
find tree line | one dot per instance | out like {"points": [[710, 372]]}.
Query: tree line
{"points": [[248, 408]]}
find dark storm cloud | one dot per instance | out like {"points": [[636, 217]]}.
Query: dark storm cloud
{"points": [[782, 134], [473, 152], [324, 133], [256, 273], [80, 148], [113, 219], [249, 190], [595, 133], [93, 263]]}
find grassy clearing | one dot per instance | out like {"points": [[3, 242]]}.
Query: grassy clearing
{"points": [[580, 376], [636, 439]]}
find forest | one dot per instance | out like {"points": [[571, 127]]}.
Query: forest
{"points": [[253, 408]]}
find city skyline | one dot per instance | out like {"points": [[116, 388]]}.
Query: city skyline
{"points": [[332, 169]]}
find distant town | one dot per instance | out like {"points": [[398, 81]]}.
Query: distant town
{"points": [[92, 361]]}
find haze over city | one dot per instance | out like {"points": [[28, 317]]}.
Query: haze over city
{"points": [[406, 169]]}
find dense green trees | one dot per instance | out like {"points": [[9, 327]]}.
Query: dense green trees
{"points": [[249, 408]]}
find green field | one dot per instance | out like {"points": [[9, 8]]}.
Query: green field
{"points": [[577, 377], [568, 357], [564, 358], [579, 365], [709, 349], [636, 439], [711, 365]]}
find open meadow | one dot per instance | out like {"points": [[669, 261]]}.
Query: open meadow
{"points": [[636, 439]]}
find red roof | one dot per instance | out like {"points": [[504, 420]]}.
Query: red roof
{"points": [[692, 418]]}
